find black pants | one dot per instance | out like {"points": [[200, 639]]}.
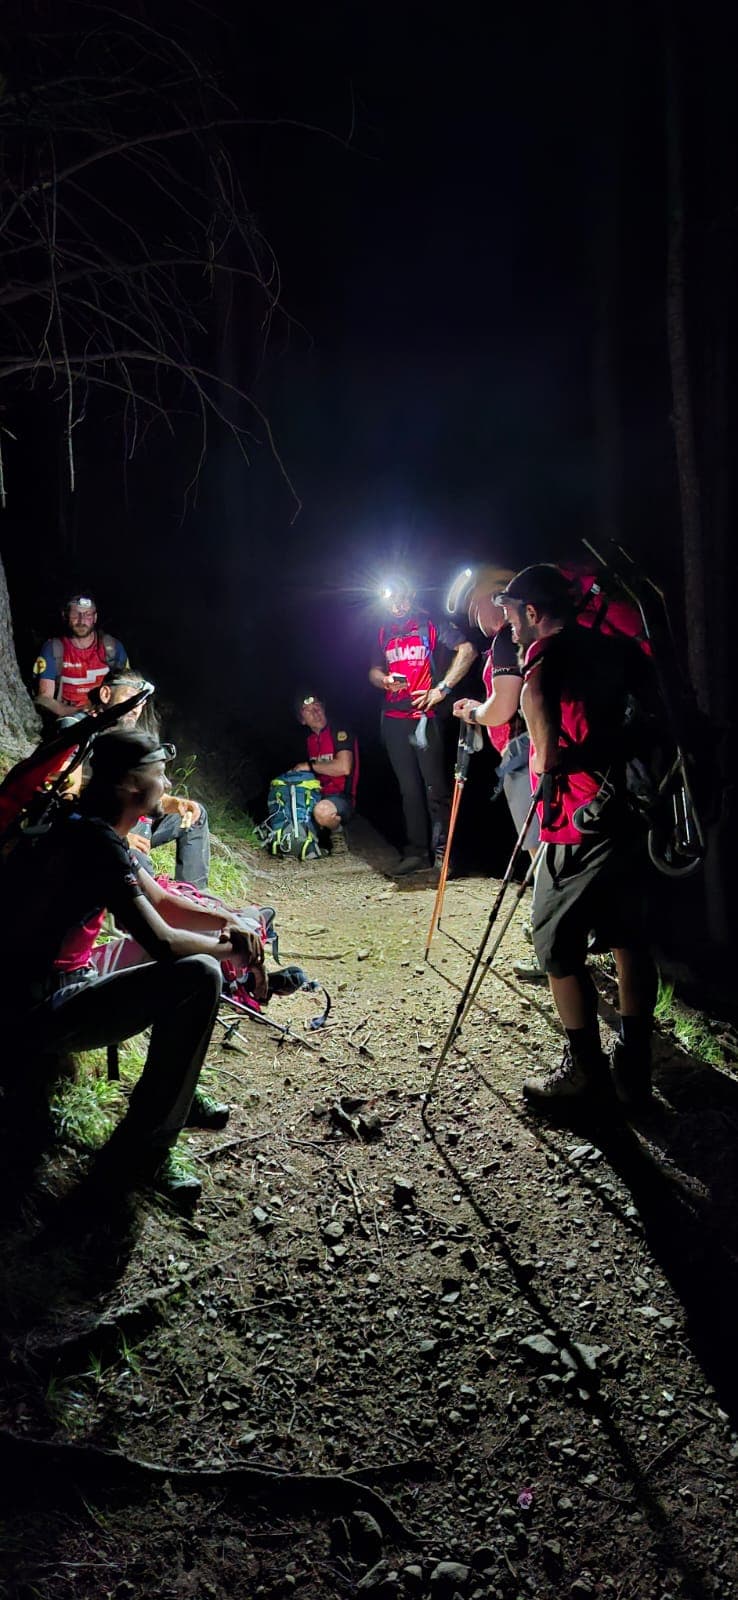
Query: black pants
{"points": [[423, 783], [178, 1000]]}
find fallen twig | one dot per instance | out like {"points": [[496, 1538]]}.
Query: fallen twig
{"points": [[25, 1462]]}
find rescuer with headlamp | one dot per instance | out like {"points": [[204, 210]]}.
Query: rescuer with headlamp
{"points": [[473, 594], [404, 668]]}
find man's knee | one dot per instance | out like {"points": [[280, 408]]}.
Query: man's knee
{"points": [[325, 814], [198, 974]]}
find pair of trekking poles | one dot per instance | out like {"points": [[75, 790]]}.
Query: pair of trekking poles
{"points": [[470, 742]]}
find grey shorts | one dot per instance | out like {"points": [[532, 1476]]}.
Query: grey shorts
{"points": [[587, 896]]}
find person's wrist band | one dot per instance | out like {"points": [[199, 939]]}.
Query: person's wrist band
{"points": [[442, 687], [473, 714]]}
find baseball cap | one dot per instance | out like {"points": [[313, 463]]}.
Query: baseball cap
{"points": [[543, 586], [125, 750]]}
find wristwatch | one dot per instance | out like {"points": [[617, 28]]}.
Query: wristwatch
{"points": [[443, 687]]}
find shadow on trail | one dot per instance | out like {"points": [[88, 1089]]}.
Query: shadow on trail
{"points": [[64, 1244]]}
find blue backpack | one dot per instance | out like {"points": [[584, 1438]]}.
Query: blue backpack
{"points": [[289, 829]]}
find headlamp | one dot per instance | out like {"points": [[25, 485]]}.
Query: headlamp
{"points": [[460, 592]]}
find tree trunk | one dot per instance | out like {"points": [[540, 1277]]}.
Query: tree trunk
{"points": [[693, 560], [19, 725]]}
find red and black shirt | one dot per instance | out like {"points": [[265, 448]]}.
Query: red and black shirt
{"points": [[408, 647], [326, 745], [501, 661]]}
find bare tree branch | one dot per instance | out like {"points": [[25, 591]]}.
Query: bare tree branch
{"points": [[122, 209]]}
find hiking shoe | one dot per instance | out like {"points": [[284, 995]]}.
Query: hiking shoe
{"points": [[572, 1080], [206, 1113], [339, 846], [410, 864], [180, 1187], [631, 1076], [530, 971]]}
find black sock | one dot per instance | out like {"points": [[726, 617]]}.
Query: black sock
{"points": [[585, 1042], [635, 1033]]}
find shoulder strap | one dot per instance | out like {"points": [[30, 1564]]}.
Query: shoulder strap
{"points": [[109, 646], [57, 650]]}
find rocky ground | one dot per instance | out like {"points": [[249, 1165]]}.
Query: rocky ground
{"points": [[401, 1349]]}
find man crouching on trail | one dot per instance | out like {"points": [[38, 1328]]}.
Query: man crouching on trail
{"points": [[54, 892], [591, 867]]}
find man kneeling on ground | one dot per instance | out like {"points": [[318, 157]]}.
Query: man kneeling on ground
{"points": [[331, 754], [177, 821], [54, 893]]}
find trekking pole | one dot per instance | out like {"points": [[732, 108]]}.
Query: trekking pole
{"points": [[479, 957], [470, 740]]}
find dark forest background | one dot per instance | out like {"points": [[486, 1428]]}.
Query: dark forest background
{"points": [[505, 319]]}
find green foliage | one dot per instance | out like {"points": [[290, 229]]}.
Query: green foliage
{"points": [[85, 1111], [690, 1028]]}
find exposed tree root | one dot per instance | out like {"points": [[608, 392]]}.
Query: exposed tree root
{"points": [[28, 1464]]}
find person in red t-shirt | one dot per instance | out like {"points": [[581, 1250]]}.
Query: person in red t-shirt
{"points": [[70, 667], [591, 867], [332, 754], [502, 675], [404, 668]]}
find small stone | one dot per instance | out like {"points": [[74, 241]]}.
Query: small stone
{"points": [[412, 1579], [332, 1232], [403, 1192], [361, 955], [247, 1440], [366, 1537], [261, 1219], [536, 1344], [446, 1578], [429, 1348]]}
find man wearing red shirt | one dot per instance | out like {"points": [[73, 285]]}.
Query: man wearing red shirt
{"points": [[499, 713], [70, 667], [404, 668], [332, 756], [590, 868]]}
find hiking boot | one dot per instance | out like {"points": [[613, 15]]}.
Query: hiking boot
{"points": [[410, 864], [529, 971], [180, 1187], [573, 1080], [206, 1113], [339, 846], [631, 1076]]}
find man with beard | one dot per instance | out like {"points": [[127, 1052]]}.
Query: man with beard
{"points": [[404, 667], [589, 875], [70, 667]]}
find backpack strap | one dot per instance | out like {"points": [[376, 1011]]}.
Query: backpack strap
{"points": [[57, 651], [109, 646]]}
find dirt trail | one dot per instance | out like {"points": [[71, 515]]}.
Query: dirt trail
{"points": [[517, 1334]]}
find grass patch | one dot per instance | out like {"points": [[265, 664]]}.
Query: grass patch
{"points": [[690, 1028], [85, 1110]]}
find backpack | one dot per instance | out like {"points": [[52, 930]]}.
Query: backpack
{"points": [[288, 829]]}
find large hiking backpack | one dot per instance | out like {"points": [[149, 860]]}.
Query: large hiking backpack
{"points": [[288, 829]]}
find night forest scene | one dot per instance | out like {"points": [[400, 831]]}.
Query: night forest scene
{"points": [[368, 1031]]}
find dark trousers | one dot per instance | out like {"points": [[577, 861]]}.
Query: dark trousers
{"points": [[178, 1000], [423, 783], [193, 846]]}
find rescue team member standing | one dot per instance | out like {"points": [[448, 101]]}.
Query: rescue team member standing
{"points": [[69, 667], [404, 668], [502, 675], [332, 756], [591, 865], [59, 886]]}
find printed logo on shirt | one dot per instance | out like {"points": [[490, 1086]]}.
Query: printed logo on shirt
{"points": [[39, 666], [342, 736]]}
